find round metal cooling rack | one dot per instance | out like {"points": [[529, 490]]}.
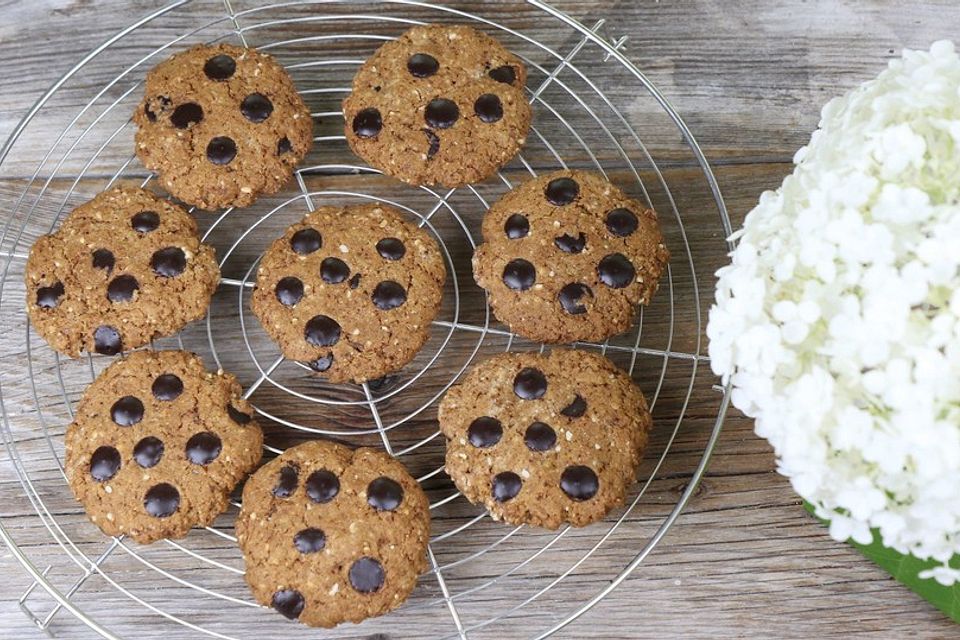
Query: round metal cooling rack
{"points": [[581, 85]]}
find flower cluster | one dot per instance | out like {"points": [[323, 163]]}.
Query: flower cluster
{"points": [[838, 321]]}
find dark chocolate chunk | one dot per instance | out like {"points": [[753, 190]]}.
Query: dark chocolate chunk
{"points": [[571, 298], [168, 262], [220, 67], [127, 411], [322, 486], [306, 241], [203, 448], [616, 271], [519, 275], [256, 107], [488, 108], [562, 191], [148, 452], [517, 226], [579, 482], [122, 288], [167, 387], [104, 463], [334, 270], [49, 297], [441, 113], [422, 65], [162, 500], [484, 432], [366, 575], [384, 494], [221, 150], [310, 540], [530, 384], [367, 123], [505, 486], [322, 331], [389, 295], [391, 249], [289, 291], [540, 437]]}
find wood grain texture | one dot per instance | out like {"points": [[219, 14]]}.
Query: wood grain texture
{"points": [[743, 561]]}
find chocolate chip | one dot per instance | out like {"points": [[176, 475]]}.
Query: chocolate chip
{"points": [[484, 432], [322, 486], [203, 448], [103, 259], [616, 271], [286, 481], [306, 241], [256, 107], [389, 295], [334, 270], [517, 226], [434, 141], [284, 146], [576, 408], [355, 281], [367, 123], [322, 331], [441, 113], [148, 452], [488, 108], [145, 221], [571, 297], [540, 437], [151, 115], [322, 363], [221, 150], [391, 248], [621, 222], [49, 297], [366, 575], [104, 463], [310, 540], [127, 411], [519, 275], [168, 262], [562, 191], [162, 500], [569, 244], [289, 291], [506, 486], [107, 340], [122, 288], [167, 387], [505, 74], [384, 494], [186, 115], [288, 602], [220, 67], [579, 482], [238, 416], [530, 384], [422, 65]]}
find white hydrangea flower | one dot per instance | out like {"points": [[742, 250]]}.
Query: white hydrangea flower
{"points": [[837, 322]]}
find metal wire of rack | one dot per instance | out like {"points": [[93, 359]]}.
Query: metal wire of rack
{"points": [[579, 122]]}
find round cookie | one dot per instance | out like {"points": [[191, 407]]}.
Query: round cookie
{"points": [[440, 104], [122, 269], [157, 445], [351, 291], [221, 125], [568, 256], [545, 439], [331, 535]]}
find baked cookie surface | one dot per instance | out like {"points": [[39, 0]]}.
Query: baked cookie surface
{"points": [[221, 125], [122, 269], [439, 105], [157, 445], [331, 534], [545, 439], [351, 291], [568, 256]]}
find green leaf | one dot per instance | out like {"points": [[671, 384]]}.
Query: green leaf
{"points": [[906, 569]]}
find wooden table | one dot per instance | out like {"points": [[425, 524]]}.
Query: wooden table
{"points": [[749, 77]]}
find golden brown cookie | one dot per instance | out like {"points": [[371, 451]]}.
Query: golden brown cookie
{"points": [[221, 125], [331, 535], [568, 256], [351, 291], [158, 444], [545, 439], [441, 104], [122, 269]]}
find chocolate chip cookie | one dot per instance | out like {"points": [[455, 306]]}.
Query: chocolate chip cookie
{"points": [[568, 256], [545, 439], [221, 125], [351, 291], [122, 269], [440, 104], [157, 445], [331, 535]]}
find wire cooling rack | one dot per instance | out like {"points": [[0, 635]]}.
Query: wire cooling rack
{"points": [[593, 109]]}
